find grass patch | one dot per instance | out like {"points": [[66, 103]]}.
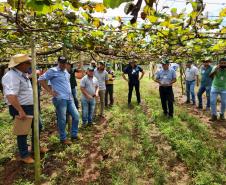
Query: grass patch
{"points": [[192, 142]]}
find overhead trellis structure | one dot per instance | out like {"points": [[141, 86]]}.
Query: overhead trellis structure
{"points": [[72, 26]]}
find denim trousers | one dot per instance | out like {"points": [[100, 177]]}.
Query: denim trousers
{"points": [[203, 89], [213, 100], [190, 90], [88, 107], [62, 108], [22, 139]]}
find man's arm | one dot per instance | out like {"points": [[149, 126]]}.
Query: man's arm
{"points": [[47, 87], [97, 91], [15, 103], [142, 74], [86, 94], [157, 78], [124, 77], [173, 81], [214, 71]]}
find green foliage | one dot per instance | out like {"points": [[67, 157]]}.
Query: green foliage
{"points": [[114, 3]]}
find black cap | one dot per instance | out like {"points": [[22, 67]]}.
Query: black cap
{"points": [[190, 62], [62, 60]]}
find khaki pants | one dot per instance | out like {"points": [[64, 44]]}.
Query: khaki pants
{"points": [[100, 104]]}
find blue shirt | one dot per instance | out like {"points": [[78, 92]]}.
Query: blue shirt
{"points": [[60, 82], [205, 76], [133, 73], [166, 76]]}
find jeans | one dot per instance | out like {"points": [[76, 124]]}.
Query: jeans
{"points": [[202, 89], [167, 99], [137, 88], [74, 94], [22, 139], [213, 100], [109, 91], [62, 107], [88, 107], [190, 90]]}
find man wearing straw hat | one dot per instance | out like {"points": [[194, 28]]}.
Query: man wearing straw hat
{"points": [[18, 94]]}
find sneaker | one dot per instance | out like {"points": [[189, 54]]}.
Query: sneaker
{"points": [[222, 118], [187, 102], [28, 160], [213, 118], [66, 142], [200, 107]]}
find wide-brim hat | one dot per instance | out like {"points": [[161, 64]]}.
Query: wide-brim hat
{"points": [[18, 59]]}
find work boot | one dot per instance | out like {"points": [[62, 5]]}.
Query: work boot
{"points": [[28, 160], [222, 118], [66, 142], [213, 118]]}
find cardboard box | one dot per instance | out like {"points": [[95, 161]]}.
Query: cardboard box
{"points": [[22, 127]]}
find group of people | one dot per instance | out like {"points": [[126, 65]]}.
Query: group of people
{"points": [[60, 83], [97, 85], [213, 82]]}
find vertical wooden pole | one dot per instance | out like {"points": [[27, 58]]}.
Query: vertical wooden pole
{"points": [[181, 79], [36, 114]]}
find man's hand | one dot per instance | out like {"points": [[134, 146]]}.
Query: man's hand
{"points": [[53, 93], [89, 97], [22, 115]]}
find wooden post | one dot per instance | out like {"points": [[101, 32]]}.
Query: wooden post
{"points": [[36, 114], [181, 79]]}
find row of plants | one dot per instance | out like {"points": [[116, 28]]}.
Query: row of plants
{"points": [[132, 157]]}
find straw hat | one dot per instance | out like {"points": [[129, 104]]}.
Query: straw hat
{"points": [[18, 59]]}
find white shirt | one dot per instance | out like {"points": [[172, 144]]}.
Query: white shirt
{"points": [[191, 73], [17, 83], [102, 77]]}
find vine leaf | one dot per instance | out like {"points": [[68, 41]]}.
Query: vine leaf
{"points": [[114, 3]]}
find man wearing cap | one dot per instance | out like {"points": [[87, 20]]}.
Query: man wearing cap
{"points": [[205, 84], [218, 87], [89, 88], [93, 64], [102, 76], [109, 86], [62, 98], [133, 70], [191, 76], [18, 94], [166, 77]]}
